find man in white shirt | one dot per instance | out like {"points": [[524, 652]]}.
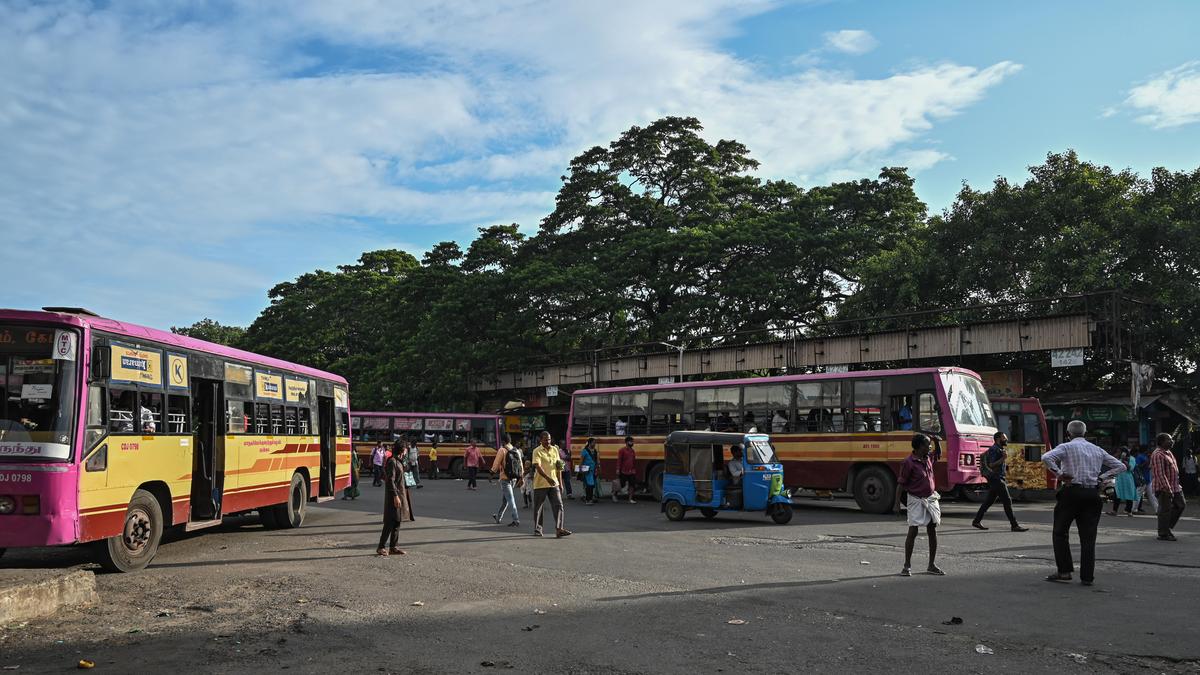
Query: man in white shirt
{"points": [[619, 426]]}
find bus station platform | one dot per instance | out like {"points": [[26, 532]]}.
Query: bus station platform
{"points": [[37, 593]]}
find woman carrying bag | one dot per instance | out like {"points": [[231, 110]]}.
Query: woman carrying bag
{"points": [[589, 466]]}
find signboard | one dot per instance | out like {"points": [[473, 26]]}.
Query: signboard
{"points": [[837, 368], [439, 424], [666, 379], [18, 339], [177, 371], [296, 391], [407, 424], [533, 423], [236, 374], [512, 424], [41, 450], [32, 366], [551, 391], [340, 398], [1004, 383], [268, 386], [138, 366], [1090, 413], [37, 392], [1065, 358], [64, 345], [462, 425]]}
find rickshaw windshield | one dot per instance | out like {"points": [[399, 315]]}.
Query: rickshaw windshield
{"points": [[760, 451]]}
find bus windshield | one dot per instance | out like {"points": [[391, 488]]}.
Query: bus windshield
{"points": [[37, 395], [968, 401]]}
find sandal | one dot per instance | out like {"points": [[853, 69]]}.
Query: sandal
{"points": [[383, 552], [396, 551]]}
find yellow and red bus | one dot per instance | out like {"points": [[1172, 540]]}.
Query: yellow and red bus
{"points": [[110, 433], [450, 430], [1028, 437], [844, 432]]}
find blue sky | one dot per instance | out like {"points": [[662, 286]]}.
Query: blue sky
{"points": [[166, 161]]}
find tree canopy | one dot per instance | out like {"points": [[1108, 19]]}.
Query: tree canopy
{"points": [[664, 236]]}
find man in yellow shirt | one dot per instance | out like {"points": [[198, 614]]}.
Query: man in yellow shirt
{"points": [[433, 466], [547, 467]]}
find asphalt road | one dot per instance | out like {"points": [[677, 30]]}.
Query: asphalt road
{"points": [[630, 592]]}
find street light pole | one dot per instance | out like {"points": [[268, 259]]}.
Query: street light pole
{"points": [[680, 348]]}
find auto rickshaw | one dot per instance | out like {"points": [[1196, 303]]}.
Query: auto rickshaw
{"points": [[696, 476]]}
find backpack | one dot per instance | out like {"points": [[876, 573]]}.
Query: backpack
{"points": [[512, 464]]}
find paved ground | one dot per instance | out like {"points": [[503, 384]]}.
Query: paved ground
{"points": [[630, 593]]}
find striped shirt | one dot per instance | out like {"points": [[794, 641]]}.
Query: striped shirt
{"points": [[1164, 472], [1085, 462]]}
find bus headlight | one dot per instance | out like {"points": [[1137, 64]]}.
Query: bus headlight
{"points": [[7, 505]]}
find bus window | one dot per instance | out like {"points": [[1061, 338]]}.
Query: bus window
{"points": [[177, 414], [483, 432], [1032, 428], [374, 429], [827, 415], [927, 417], [289, 421], [667, 411], [968, 401], [342, 421], [276, 419], [305, 421], [868, 405], [235, 417], [902, 412], [462, 432], [719, 408], [591, 415], [768, 407], [120, 411], [808, 406], [438, 429], [629, 413], [150, 413]]}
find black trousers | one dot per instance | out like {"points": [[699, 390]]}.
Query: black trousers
{"points": [[997, 491], [1081, 506], [472, 472], [1170, 508], [391, 529]]}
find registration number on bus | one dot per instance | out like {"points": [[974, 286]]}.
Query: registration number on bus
{"points": [[16, 478]]}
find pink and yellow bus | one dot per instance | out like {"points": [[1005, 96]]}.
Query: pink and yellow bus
{"points": [[111, 433], [451, 431], [841, 432]]}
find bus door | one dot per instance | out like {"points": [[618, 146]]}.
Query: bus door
{"points": [[208, 456], [325, 412]]}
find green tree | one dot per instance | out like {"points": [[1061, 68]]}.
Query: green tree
{"points": [[212, 331]]}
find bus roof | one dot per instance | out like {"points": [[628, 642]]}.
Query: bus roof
{"points": [[361, 413], [780, 378], [166, 337]]}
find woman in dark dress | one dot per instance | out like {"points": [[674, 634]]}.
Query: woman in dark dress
{"points": [[396, 505]]}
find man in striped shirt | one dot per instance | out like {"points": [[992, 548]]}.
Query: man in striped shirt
{"points": [[1164, 480], [1081, 466]]}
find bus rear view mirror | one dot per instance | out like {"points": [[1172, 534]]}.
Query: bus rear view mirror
{"points": [[101, 368]]}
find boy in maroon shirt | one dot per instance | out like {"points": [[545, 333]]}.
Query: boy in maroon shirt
{"points": [[916, 478]]}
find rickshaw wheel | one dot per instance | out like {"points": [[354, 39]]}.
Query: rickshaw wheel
{"points": [[675, 510], [708, 513], [781, 514]]}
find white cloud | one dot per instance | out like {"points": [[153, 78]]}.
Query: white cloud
{"points": [[850, 41], [200, 140], [1169, 99]]}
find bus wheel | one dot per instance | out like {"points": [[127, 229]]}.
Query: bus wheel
{"points": [[875, 490], [135, 547], [456, 468], [654, 479], [781, 514], [291, 515], [675, 510], [708, 513]]}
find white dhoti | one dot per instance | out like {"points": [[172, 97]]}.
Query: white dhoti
{"points": [[924, 511]]}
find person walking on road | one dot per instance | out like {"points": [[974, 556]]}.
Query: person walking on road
{"points": [[994, 467], [1164, 476], [377, 456], [509, 466], [396, 505], [589, 466], [414, 463], [1080, 466], [472, 460], [626, 469], [547, 466], [916, 480], [1141, 478], [1124, 487], [352, 492]]}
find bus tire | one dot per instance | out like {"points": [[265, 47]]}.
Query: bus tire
{"points": [[781, 514], [709, 514], [674, 510], [457, 469], [140, 536], [654, 481], [290, 514], [875, 489]]}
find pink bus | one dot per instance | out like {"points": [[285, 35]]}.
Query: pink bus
{"points": [[111, 433], [449, 430], [837, 432]]}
